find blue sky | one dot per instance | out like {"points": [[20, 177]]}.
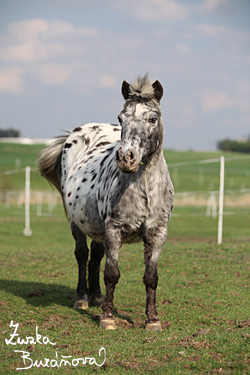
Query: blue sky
{"points": [[62, 63]]}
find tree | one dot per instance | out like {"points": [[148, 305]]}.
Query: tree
{"points": [[8, 133], [236, 146]]}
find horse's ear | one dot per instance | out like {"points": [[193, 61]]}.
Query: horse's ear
{"points": [[158, 90], [125, 89]]}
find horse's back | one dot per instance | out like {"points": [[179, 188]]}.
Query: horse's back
{"points": [[88, 159], [88, 141]]}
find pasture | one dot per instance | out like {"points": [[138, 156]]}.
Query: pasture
{"points": [[202, 296]]}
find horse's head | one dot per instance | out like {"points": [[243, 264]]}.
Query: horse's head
{"points": [[142, 127]]}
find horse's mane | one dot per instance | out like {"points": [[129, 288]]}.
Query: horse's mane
{"points": [[141, 86]]}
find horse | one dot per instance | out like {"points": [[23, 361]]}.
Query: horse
{"points": [[116, 188]]}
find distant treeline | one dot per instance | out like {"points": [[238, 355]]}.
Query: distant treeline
{"points": [[239, 146], [9, 133]]}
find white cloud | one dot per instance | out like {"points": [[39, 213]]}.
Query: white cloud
{"points": [[37, 40], [108, 81], [11, 79], [182, 48], [224, 33], [208, 6], [159, 11], [213, 101], [153, 10], [57, 53], [28, 52], [54, 74], [26, 29]]}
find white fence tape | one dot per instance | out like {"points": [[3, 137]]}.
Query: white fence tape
{"points": [[40, 198], [207, 161]]}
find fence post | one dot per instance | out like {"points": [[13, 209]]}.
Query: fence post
{"points": [[221, 199], [211, 205], [27, 231], [39, 206]]}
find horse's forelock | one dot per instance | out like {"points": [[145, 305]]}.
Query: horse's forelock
{"points": [[142, 87]]}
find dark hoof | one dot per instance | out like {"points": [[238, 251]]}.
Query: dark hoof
{"points": [[96, 300], [81, 304], [153, 326], [107, 323]]}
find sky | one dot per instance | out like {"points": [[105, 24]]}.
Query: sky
{"points": [[62, 63]]}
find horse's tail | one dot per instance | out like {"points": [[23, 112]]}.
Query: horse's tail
{"points": [[49, 162]]}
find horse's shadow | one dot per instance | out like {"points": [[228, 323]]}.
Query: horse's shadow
{"points": [[42, 295]]}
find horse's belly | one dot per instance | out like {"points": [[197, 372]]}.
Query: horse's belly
{"points": [[83, 211], [132, 238], [92, 232]]}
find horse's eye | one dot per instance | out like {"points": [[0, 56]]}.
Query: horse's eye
{"points": [[152, 120]]}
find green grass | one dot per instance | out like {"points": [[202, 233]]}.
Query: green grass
{"points": [[186, 178], [11, 155], [203, 292], [202, 296], [204, 177]]}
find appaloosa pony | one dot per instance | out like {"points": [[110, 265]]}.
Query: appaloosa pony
{"points": [[116, 189]]}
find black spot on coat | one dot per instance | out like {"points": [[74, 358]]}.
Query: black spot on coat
{"points": [[102, 144]]}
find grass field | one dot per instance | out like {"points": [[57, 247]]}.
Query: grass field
{"points": [[186, 178], [202, 296]]}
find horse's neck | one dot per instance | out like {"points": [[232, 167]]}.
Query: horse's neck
{"points": [[155, 170], [155, 163]]}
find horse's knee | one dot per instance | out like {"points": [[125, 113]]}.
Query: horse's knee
{"points": [[81, 249], [81, 253], [150, 279], [111, 274]]}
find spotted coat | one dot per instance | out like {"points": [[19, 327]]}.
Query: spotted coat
{"points": [[93, 186], [116, 189], [90, 176]]}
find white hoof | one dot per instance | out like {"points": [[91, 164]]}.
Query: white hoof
{"points": [[107, 323], [153, 326], [81, 304]]}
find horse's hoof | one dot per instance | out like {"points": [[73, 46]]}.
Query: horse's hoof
{"points": [[96, 300], [81, 304], [153, 326], [107, 323]]}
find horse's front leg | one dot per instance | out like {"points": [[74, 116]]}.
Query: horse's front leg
{"points": [[153, 243], [111, 274]]}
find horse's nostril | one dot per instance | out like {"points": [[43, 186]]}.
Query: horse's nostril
{"points": [[117, 157], [130, 155]]}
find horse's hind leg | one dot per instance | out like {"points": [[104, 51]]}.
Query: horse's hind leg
{"points": [[96, 255], [111, 274], [81, 254]]}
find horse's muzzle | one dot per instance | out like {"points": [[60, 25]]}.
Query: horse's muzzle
{"points": [[126, 161]]}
